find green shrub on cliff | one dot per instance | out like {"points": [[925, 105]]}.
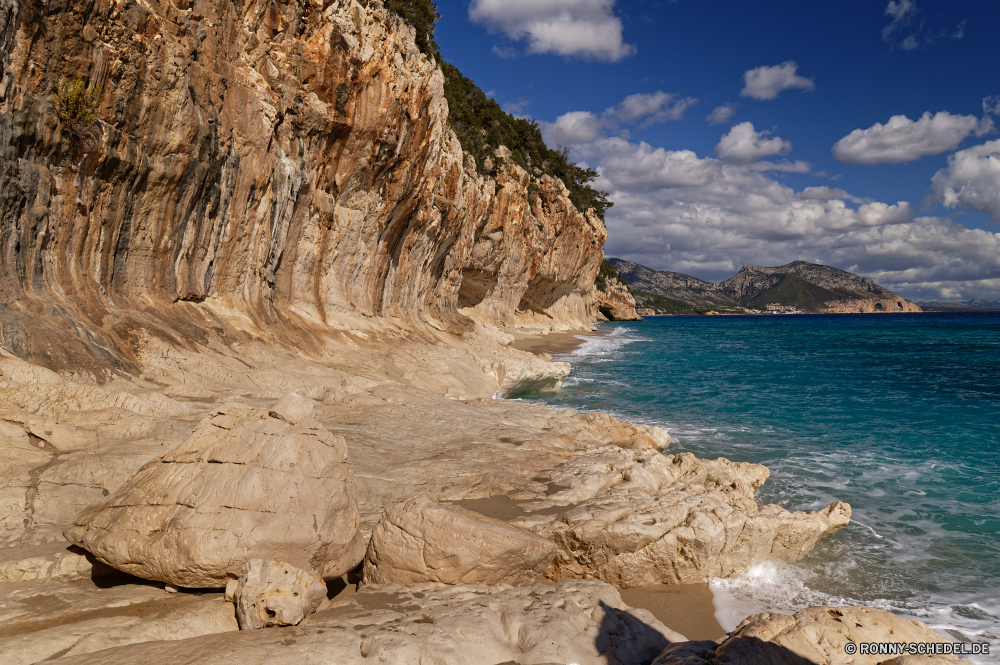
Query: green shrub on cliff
{"points": [[482, 126], [609, 273], [76, 102], [422, 15]]}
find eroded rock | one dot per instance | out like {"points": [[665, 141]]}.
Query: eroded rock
{"points": [[636, 518], [814, 636], [272, 593], [423, 541], [244, 485], [582, 622]]}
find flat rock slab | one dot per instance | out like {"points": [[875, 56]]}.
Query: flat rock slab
{"points": [[44, 621], [582, 622], [423, 541], [245, 485], [814, 636]]}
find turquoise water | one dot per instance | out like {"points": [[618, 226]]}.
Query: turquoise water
{"points": [[895, 414]]}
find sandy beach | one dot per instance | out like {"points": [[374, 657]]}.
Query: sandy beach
{"points": [[552, 343]]}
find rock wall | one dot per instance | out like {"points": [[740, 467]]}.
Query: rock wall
{"points": [[270, 169]]}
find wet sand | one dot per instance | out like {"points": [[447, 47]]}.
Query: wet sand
{"points": [[551, 343]]}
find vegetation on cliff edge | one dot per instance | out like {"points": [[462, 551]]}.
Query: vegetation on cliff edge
{"points": [[609, 273], [482, 126]]}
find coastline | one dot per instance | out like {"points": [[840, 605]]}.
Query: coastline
{"points": [[687, 608], [556, 342]]}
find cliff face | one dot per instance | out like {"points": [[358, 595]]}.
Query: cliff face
{"points": [[615, 301], [265, 168]]}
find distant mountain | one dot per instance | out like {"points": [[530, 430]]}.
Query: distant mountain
{"points": [[977, 304], [799, 285]]}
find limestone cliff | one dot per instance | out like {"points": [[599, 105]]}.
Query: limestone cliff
{"points": [[614, 297], [265, 168]]}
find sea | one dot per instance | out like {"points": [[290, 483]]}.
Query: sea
{"points": [[896, 414]]}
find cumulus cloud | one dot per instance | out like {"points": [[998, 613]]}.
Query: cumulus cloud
{"points": [[904, 140], [744, 145], [640, 109], [991, 105], [707, 217], [650, 108], [767, 82], [579, 28], [971, 180], [573, 127], [720, 115]]}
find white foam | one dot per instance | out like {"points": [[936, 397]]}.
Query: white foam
{"points": [[782, 587]]}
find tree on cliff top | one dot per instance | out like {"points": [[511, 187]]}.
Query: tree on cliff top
{"points": [[482, 126]]}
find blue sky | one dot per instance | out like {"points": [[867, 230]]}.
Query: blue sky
{"points": [[629, 88]]}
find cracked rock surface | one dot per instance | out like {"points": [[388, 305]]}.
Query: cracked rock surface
{"points": [[582, 622], [424, 541], [244, 485], [635, 518]]}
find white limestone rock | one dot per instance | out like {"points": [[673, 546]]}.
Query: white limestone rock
{"points": [[814, 636], [244, 485], [583, 622], [423, 541], [272, 593], [636, 518]]}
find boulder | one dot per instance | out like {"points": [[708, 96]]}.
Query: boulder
{"points": [[814, 636], [244, 485], [272, 593], [583, 622], [423, 541], [635, 518]]}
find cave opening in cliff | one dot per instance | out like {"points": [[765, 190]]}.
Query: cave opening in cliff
{"points": [[476, 286]]}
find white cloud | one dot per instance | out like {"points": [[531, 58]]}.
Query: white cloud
{"points": [[902, 14], [640, 109], [991, 105], [971, 179], [650, 108], [573, 127], [720, 115], [580, 28], [784, 166], [904, 140], [743, 145], [768, 82], [706, 217], [504, 52]]}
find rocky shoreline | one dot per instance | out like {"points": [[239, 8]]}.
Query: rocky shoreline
{"points": [[257, 304]]}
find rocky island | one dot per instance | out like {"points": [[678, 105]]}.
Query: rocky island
{"points": [[257, 303]]}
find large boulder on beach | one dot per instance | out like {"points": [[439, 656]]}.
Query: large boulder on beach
{"points": [[815, 636], [635, 518], [248, 483], [582, 622], [423, 541]]}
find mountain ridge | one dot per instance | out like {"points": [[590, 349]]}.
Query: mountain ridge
{"points": [[800, 285]]}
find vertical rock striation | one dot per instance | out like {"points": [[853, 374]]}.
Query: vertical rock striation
{"points": [[278, 166]]}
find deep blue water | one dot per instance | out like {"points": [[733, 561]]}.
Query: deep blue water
{"points": [[896, 414]]}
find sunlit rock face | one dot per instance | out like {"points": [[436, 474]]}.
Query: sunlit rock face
{"points": [[259, 166]]}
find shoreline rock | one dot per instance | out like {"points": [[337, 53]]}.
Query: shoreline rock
{"points": [[245, 485]]}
